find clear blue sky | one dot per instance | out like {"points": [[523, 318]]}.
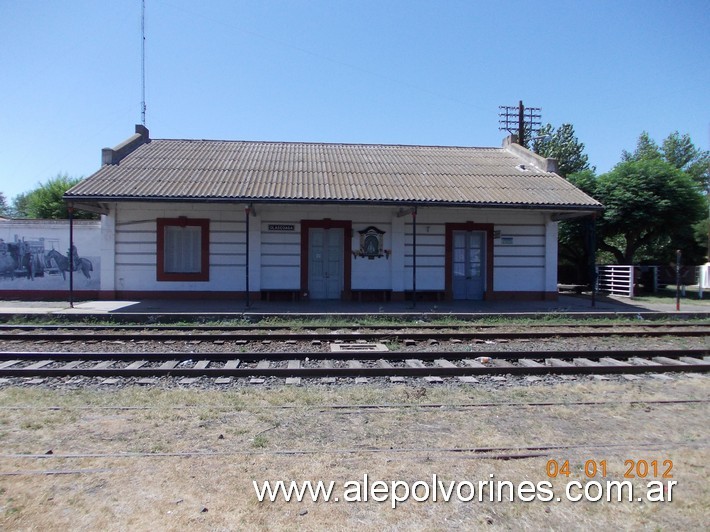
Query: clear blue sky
{"points": [[362, 71]]}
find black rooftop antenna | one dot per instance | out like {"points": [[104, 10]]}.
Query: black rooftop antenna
{"points": [[519, 120], [143, 61]]}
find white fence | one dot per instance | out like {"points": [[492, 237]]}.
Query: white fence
{"points": [[703, 279], [616, 280], [622, 280]]}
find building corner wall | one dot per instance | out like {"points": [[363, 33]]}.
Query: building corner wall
{"points": [[108, 254], [551, 249]]}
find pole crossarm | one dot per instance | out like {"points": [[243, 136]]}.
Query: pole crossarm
{"points": [[520, 120]]}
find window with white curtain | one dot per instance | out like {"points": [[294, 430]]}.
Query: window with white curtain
{"points": [[183, 249]]}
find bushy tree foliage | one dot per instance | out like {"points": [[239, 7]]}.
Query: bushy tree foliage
{"points": [[572, 163], [646, 149], [655, 202], [45, 201], [575, 259], [650, 210], [680, 151], [4, 209], [677, 150], [563, 145]]}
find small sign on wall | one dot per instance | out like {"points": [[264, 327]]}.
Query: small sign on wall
{"points": [[281, 227]]}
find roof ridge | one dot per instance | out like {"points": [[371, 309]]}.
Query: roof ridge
{"points": [[322, 143]]}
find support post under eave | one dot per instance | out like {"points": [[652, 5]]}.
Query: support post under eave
{"points": [[592, 238], [414, 257], [247, 212], [70, 208]]}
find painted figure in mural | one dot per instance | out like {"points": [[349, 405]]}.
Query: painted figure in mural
{"points": [[61, 262], [7, 263], [14, 259]]}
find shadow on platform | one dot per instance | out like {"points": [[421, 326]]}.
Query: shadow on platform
{"points": [[566, 304]]}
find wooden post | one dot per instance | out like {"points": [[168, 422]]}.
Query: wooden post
{"points": [[677, 279], [70, 208], [247, 211], [414, 257], [593, 257]]}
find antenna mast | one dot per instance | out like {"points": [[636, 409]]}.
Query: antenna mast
{"points": [[143, 62], [520, 120]]}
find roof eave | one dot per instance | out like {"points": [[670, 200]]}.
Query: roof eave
{"points": [[100, 201]]}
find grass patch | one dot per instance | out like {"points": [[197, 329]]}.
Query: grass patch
{"points": [[228, 439], [300, 323], [260, 441], [668, 295]]}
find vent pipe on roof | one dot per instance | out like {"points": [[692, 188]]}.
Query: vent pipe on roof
{"points": [[114, 155]]}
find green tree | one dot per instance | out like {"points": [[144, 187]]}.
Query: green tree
{"points": [[563, 145], [680, 151], [574, 250], [650, 210], [19, 206], [4, 209], [45, 201], [677, 150], [646, 149]]}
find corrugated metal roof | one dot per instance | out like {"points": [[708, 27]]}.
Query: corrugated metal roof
{"points": [[185, 170]]}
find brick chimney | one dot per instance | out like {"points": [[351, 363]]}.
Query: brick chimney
{"points": [[114, 155]]}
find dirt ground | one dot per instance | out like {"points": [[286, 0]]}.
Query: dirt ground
{"points": [[175, 459]]}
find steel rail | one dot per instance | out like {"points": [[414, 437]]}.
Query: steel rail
{"points": [[346, 336], [351, 326], [314, 325], [352, 372], [603, 362], [256, 356]]}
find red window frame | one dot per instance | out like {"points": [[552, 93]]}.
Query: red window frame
{"points": [[204, 273]]}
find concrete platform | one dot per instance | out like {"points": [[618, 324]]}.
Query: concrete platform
{"points": [[566, 304]]}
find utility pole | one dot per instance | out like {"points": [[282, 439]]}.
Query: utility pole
{"points": [[143, 107], [519, 120]]}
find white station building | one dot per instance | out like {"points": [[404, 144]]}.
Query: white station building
{"points": [[296, 220]]}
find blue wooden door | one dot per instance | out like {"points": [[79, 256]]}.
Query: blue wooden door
{"points": [[468, 264], [325, 263]]}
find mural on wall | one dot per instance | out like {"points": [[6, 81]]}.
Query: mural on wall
{"points": [[38, 263]]}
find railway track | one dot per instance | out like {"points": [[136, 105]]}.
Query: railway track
{"points": [[360, 362], [354, 325], [349, 333], [326, 351]]}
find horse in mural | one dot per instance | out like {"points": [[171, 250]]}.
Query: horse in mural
{"points": [[62, 263]]}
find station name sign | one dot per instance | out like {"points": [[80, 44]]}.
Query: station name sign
{"points": [[282, 227]]}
